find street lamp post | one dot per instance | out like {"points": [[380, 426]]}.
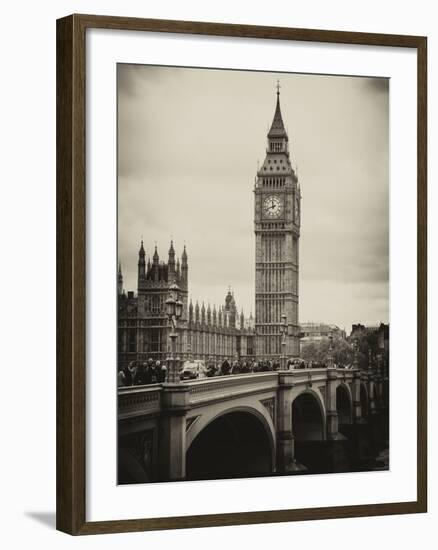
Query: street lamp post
{"points": [[355, 358], [370, 360], [174, 308], [330, 361], [283, 330], [255, 348]]}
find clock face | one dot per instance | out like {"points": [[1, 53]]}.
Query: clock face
{"points": [[272, 206]]}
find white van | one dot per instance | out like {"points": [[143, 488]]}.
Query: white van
{"points": [[192, 370]]}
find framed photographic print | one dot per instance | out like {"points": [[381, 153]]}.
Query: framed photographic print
{"points": [[241, 274]]}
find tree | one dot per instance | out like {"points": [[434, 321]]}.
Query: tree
{"points": [[342, 351]]}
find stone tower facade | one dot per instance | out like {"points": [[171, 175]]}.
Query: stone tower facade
{"points": [[277, 220]]}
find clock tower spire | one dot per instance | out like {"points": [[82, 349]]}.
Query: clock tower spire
{"points": [[277, 223]]}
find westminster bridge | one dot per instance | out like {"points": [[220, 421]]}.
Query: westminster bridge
{"points": [[242, 425]]}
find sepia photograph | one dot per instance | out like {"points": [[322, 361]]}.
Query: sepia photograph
{"points": [[253, 274]]}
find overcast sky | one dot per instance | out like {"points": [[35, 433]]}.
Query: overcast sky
{"points": [[189, 141]]}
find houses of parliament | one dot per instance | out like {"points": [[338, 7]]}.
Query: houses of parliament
{"points": [[219, 332]]}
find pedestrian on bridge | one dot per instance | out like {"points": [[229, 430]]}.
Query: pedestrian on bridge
{"points": [[120, 378], [127, 375], [236, 368], [148, 370], [139, 378], [161, 371], [132, 367], [225, 367]]}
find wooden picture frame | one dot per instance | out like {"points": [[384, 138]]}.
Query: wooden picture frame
{"points": [[71, 273]]}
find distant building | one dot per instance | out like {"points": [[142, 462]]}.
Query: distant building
{"points": [[383, 338], [315, 332], [381, 332], [203, 332]]}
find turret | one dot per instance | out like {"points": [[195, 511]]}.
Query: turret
{"points": [[155, 257], [208, 315], [171, 262], [156, 265], [230, 308], [141, 261], [251, 323], [228, 300], [242, 320], [203, 314], [184, 268], [191, 311], [197, 313]]}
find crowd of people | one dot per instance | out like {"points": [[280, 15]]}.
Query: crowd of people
{"points": [[226, 367], [155, 372], [138, 373], [265, 365]]}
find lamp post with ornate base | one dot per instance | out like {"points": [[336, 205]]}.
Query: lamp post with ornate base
{"points": [[355, 354], [330, 360], [174, 308], [175, 402]]}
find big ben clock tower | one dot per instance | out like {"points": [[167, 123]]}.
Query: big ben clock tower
{"points": [[277, 231]]}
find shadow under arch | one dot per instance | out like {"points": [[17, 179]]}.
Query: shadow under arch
{"points": [[308, 428], [344, 404], [236, 443], [308, 417]]}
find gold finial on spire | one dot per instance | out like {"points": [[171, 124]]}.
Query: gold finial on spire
{"points": [[278, 87]]}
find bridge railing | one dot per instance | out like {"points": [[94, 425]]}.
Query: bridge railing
{"points": [[210, 388], [139, 400], [300, 376]]}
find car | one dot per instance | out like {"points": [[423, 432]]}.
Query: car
{"points": [[192, 370]]}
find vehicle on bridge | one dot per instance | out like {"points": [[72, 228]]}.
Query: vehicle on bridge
{"points": [[192, 370]]}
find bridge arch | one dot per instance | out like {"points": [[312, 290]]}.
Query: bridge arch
{"points": [[236, 442], [308, 416], [344, 404]]}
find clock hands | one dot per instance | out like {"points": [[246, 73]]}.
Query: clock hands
{"points": [[272, 205]]}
